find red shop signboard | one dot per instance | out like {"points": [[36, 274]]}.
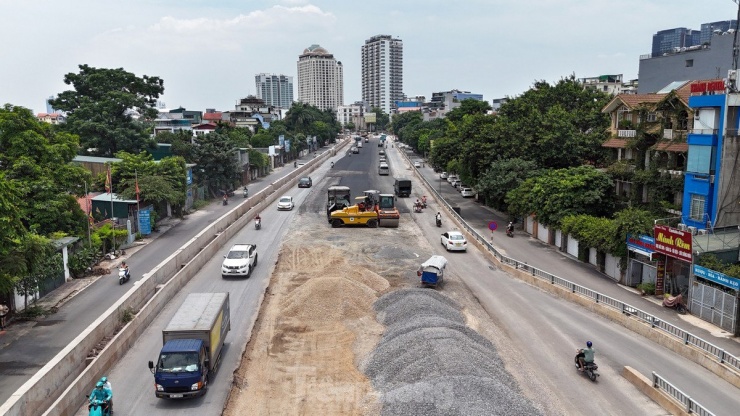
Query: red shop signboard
{"points": [[673, 242]]}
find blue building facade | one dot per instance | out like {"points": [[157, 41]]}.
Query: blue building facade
{"points": [[704, 169]]}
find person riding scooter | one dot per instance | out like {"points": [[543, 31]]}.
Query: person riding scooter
{"points": [[107, 386], [100, 396], [257, 222], [585, 356], [246, 192], [332, 164], [124, 266], [226, 199], [438, 219], [510, 229]]}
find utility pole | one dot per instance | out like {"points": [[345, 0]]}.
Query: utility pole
{"points": [[735, 46]]}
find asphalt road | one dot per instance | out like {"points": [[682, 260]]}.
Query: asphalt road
{"points": [[21, 359]]}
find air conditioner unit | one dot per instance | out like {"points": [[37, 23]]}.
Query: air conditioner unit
{"points": [[692, 229], [682, 227], [703, 231]]}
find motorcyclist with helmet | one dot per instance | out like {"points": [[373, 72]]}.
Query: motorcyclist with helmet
{"points": [[585, 355], [101, 395]]}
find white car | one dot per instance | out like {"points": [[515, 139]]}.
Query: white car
{"points": [[454, 241], [286, 203], [451, 178], [467, 193], [417, 164], [443, 175], [240, 261]]}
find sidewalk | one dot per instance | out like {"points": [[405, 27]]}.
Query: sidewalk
{"points": [[61, 295]]}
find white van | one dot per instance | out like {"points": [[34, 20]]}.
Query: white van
{"points": [[383, 169]]}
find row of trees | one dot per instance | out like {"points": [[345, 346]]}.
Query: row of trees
{"points": [[539, 154], [110, 112]]}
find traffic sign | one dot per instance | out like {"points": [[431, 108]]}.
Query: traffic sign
{"points": [[492, 225]]}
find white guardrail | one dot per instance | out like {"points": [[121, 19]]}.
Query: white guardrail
{"points": [[673, 392]]}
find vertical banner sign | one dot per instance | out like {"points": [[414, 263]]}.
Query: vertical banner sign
{"points": [[673, 242], [660, 278]]}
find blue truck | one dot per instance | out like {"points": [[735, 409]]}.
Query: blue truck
{"points": [[193, 341]]}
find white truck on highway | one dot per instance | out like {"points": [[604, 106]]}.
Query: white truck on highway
{"points": [[192, 346]]}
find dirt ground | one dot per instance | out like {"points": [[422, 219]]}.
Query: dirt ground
{"points": [[317, 324]]}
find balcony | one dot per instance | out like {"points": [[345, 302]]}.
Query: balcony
{"points": [[704, 131], [626, 133]]}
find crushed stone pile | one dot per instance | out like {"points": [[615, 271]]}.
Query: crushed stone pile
{"points": [[329, 299], [429, 362]]}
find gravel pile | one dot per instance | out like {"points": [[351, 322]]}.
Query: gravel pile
{"points": [[328, 299], [430, 363]]}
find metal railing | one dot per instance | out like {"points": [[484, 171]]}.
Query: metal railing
{"points": [[722, 356], [673, 392]]}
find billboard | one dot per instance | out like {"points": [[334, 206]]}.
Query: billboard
{"points": [[673, 242], [370, 118]]}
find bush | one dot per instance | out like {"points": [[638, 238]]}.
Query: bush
{"points": [[647, 288]]}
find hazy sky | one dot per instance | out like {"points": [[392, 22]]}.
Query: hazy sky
{"points": [[208, 52]]}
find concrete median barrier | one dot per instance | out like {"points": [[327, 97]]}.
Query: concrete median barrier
{"points": [[68, 376]]}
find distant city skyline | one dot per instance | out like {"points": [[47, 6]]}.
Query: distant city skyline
{"points": [[207, 53]]}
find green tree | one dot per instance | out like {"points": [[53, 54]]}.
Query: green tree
{"points": [[350, 126], [98, 109], [11, 232], [300, 117], [36, 157], [402, 120], [468, 107], [382, 120], [37, 263], [502, 176], [160, 182], [559, 193], [217, 166]]}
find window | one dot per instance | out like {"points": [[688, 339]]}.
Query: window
{"points": [[689, 63], [652, 117], [700, 159], [698, 203]]}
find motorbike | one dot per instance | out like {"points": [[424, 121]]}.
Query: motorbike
{"points": [[257, 223], [589, 368], [98, 408], [295, 164], [245, 192], [510, 232], [424, 201], [439, 222], [675, 302], [417, 207], [332, 164], [123, 275], [226, 200]]}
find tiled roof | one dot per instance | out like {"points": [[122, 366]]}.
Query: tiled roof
{"points": [[634, 100], [615, 143], [671, 147], [212, 116]]}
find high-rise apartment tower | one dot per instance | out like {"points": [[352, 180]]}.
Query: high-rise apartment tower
{"points": [[320, 79], [382, 72], [274, 90]]}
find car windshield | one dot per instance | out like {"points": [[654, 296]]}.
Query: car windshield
{"points": [[456, 237], [177, 362], [237, 255], [285, 200], [304, 180]]}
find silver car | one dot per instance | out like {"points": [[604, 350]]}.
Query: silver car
{"points": [[285, 203], [454, 241]]}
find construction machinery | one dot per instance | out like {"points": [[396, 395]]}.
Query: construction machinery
{"points": [[338, 197], [388, 215], [358, 214]]}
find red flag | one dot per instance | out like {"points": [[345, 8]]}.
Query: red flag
{"points": [[108, 182], [137, 189]]}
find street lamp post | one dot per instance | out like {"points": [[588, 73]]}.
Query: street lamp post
{"points": [[89, 214]]}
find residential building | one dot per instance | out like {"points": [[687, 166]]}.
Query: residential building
{"points": [[195, 117], [671, 40], [274, 90], [696, 62], [250, 112], [712, 188], [444, 102], [609, 84], [382, 72], [320, 79], [352, 113], [496, 103], [171, 122], [648, 132], [213, 116], [51, 118], [49, 108]]}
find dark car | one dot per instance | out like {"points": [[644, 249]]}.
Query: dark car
{"points": [[305, 182]]}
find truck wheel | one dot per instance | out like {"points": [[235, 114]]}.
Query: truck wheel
{"points": [[336, 223], [372, 223]]}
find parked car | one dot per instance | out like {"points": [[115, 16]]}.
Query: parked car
{"points": [[451, 178], [305, 182], [443, 175], [417, 164], [460, 187], [285, 203], [456, 183], [467, 193], [454, 241]]}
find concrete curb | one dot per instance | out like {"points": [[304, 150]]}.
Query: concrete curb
{"points": [[646, 387]]}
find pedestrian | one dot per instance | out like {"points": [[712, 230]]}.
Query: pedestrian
{"points": [[3, 313]]}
